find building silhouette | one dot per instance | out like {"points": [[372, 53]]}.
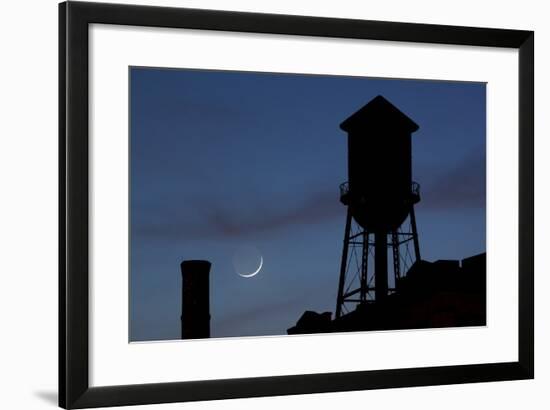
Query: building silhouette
{"points": [[444, 293]]}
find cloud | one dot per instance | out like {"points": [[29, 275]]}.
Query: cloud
{"points": [[463, 186], [210, 220]]}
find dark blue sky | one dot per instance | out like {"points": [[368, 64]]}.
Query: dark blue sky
{"points": [[222, 160]]}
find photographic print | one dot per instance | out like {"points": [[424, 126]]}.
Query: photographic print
{"points": [[232, 183], [268, 204]]}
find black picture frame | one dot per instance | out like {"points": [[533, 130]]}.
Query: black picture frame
{"points": [[74, 388]]}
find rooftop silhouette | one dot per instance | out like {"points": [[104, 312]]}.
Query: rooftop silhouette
{"points": [[444, 293]]}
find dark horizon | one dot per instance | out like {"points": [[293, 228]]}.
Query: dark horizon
{"points": [[210, 177]]}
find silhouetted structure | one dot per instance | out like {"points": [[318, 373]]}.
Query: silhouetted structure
{"points": [[436, 294], [195, 300], [312, 322], [379, 196]]}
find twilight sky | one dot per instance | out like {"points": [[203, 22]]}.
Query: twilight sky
{"points": [[225, 162]]}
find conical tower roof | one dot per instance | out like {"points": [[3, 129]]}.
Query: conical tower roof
{"points": [[378, 113]]}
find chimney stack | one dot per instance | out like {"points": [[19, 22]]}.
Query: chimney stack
{"points": [[195, 299]]}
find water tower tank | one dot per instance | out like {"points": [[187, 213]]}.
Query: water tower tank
{"points": [[379, 190]]}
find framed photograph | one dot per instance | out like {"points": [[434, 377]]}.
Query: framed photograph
{"points": [[256, 204]]}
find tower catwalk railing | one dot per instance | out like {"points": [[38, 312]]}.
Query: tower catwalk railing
{"points": [[345, 192]]}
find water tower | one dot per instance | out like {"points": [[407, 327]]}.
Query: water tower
{"points": [[380, 197]]}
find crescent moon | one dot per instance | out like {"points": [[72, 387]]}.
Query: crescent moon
{"points": [[249, 275]]}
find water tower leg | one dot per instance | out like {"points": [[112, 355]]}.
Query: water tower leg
{"points": [[380, 265], [364, 266], [343, 265], [415, 235], [396, 257]]}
